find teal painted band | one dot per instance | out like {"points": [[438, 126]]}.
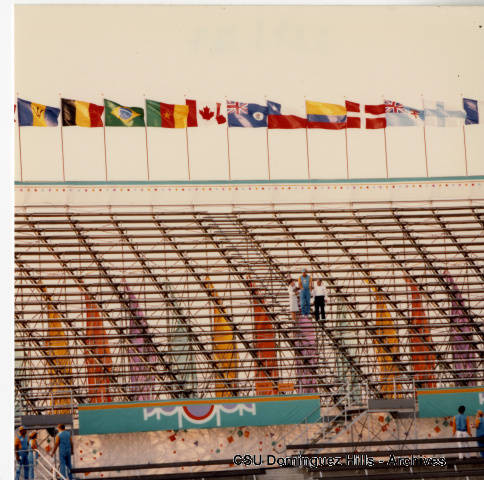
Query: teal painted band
{"points": [[445, 404], [184, 414], [249, 182]]}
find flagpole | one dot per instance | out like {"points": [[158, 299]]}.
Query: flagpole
{"points": [[268, 158], [386, 154], [19, 144], [62, 144], [146, 142], [346, 145], [307, 140], [307, 151], [104, 134], [385, 142], [425, 140], [464, 135], [228, 150], [228, 142], [188, 153]]}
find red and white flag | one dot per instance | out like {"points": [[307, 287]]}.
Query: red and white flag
{"points": [[374, 115], [206, 113]]}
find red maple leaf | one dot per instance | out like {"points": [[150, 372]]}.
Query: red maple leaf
{"points": [[206, 113]]}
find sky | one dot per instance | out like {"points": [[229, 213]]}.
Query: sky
{"points": [[252, 54]]}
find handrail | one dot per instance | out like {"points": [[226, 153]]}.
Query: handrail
{"points": [[46, 464]]}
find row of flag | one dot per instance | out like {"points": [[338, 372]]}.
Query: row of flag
{"points": [[249, 115]]}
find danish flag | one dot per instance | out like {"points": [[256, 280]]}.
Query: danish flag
{"points": [[374, 115]]}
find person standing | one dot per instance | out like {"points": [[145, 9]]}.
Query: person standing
{"points": [[480, 430], [33, 454], [305, 286], [320, 294], [22, 453], [293, 304], [63, 441], [461, 428]]}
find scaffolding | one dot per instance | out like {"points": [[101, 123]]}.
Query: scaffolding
{"points": [[158, 278]]}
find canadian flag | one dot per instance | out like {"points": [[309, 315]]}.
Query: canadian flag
{"points": [[374, 115], [206, 113]]}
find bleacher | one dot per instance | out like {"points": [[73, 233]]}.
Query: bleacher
{"points": [[404, 309]]}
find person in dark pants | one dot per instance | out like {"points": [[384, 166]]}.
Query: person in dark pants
{"points": [[22, 453], [320, 293], [63, 441], [480, 430]]}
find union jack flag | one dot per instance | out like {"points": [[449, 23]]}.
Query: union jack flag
{"points": [[237, 107], [393, 107]]}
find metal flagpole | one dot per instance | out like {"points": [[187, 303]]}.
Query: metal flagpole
{"points": [[346, 145], [385, 142], [464, 136], [425, 140], [228, 141], [268, 158], [104, 133], [62, 143], [307, 152], [228, 150], [188, 153], [19, 142], [146, 141], [386, 154]]}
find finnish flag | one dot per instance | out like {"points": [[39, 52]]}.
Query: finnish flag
{"points": [[440, 114]]}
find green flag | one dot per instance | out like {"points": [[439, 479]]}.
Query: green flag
{"points": [[117, 115], [153, 114]]}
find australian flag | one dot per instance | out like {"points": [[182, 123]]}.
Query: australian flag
{"points": [[472, 113], [249, 115]]}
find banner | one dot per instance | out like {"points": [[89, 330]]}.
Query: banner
{"points": [[204, 413], [420, 345], [444, 402], [265, 347], [98, 354]]}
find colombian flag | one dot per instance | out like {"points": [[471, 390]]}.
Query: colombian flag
{"points": [[82, 114], [166, 115], [36, 115], [117, 115], [325, 115]]}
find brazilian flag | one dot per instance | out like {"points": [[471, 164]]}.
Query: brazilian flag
{"points": [[117, 115]]}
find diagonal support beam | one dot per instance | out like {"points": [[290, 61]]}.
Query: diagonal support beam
{"points": [[124, 302], [216, 301], [167, 296], [441, 280]]}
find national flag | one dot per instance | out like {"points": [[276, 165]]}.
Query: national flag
{"points": [[275, 118], [374, 115], [325, 115], [82, 114], [206, 113], [399, 115], [117, 115], [166, 115], [32, 114], [440, 114], [472, 112], [246, 114]]}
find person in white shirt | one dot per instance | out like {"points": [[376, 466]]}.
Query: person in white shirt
{"points": [[293, 304], [319, 293]]}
